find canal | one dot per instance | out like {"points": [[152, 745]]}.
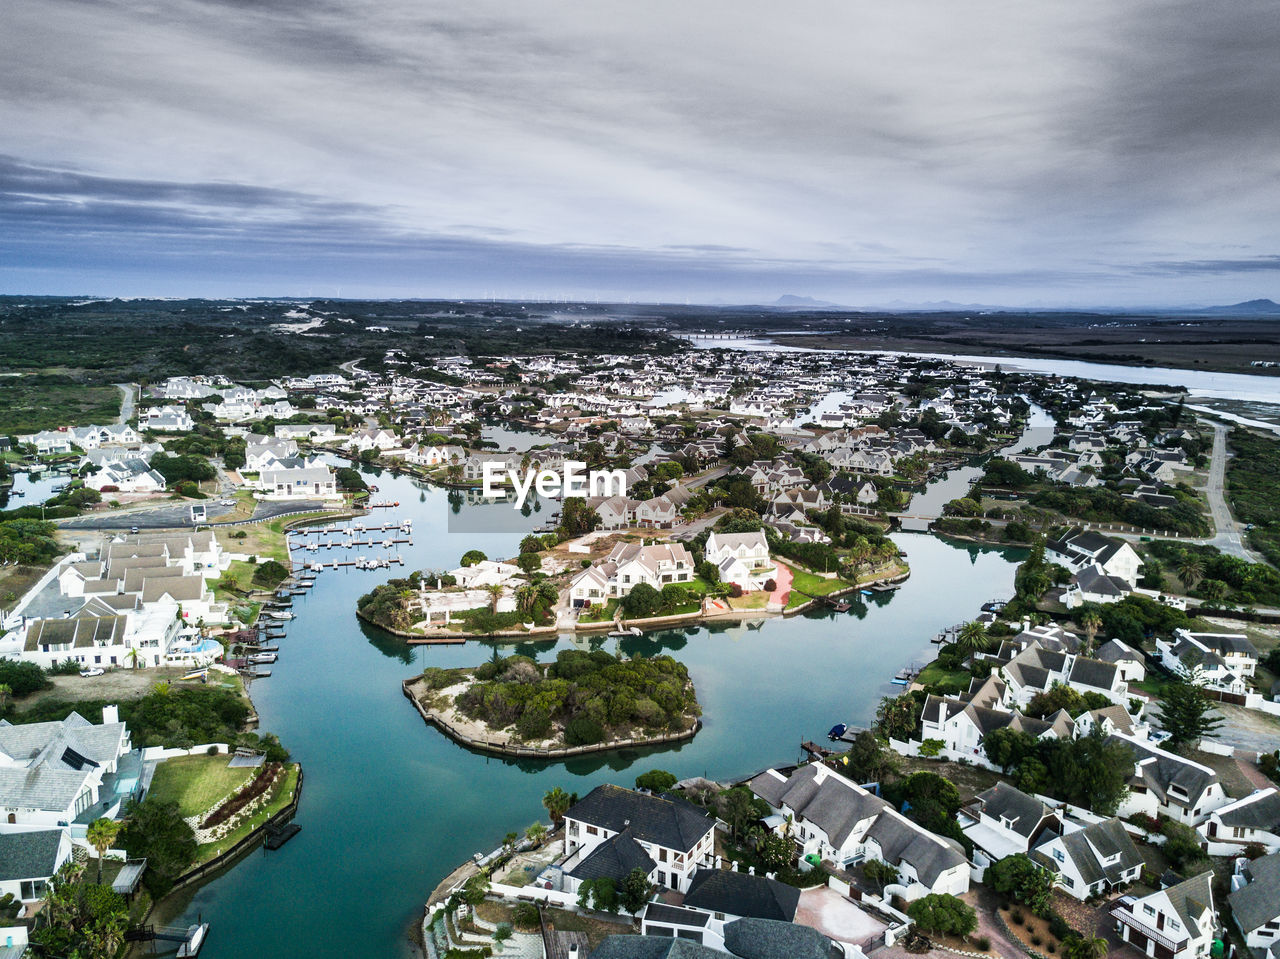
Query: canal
{"points": [[390, 806]]}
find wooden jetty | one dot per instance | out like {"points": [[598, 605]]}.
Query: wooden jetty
{"points": [[815, 751]]}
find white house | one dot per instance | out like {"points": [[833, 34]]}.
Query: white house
{"points": [[1125, 658], [751, 548], [1004, 821], [628, 565], [51, 773], [1080, 549], [1164, 783], [840, 821], [1200, 656], [1255, 903], [304, 483], [1091, 860], [29, 857], [612, 830], [1178, 921], [1255, 819]]}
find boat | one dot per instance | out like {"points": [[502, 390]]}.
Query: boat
{"points": [[842, 606], [277, 614], [279, 836], [866, 592], [899, 681], [195, 939], [200, 674], [262, 657], [628, 631], [837, 731]]}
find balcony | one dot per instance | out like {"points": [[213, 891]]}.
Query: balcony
{"points": [[1123, 912]]}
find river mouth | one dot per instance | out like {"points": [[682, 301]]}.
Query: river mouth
{"points": [[391, 806]]}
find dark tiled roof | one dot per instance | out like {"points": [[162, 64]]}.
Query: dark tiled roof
{"points": [[768, 939], [614, 858], [676, 825], [29, 855], [1192, 898], [1088, 848], [901, 840], [740, 894], [1259, 811], [1093, 672], [1258, 903], [1025, 813]]}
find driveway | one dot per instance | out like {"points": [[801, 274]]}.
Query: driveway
{"points": [[177, 515], [126, 404]]}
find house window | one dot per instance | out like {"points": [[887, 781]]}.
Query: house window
{"points": [[592, 831], [32, 889], [1057, 854], [1148, 910]]}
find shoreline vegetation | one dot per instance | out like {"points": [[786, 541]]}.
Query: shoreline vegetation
{"points": [[580, 703]]}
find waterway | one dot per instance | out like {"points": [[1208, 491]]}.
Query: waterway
{"points": [[1246, 387], [956, 483], [390, 806]]}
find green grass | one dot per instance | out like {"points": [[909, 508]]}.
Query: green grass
{"points": [[197, 783], [934, 673], [805, 585], [281, 796], [600, 613]]}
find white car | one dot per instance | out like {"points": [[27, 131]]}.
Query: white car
{"points": [[95, 671], [228, 502]]}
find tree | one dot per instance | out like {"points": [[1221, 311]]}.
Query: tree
{"points": [[600, 894], [655, 780], [84, 920], [101, 834], [557, 802], [636, 890], [944, 914], [881, 873], [5, 692], [1186, 712], [1190, 569], [642, 601], [898, 717], [775, 851], [1008, 747], [1076, 946], [1182, 848], [157, 833], [737, 807], [973, 638], [270, 574], [471, 557], [1091, 622], [1020, 879], [868, 759], [535, 833], [576, 517]]}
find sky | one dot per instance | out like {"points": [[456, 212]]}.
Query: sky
{"points": [[1038, 154]]}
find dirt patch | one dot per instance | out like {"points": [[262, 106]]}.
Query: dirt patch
{"points": [[969, 780], [18, 580], [115, 684], [597, 930]]}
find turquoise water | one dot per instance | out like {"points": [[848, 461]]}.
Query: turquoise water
{"points": [[390, 806]]}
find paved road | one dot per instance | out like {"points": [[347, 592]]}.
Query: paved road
{"points": [[126, 405], [1228, 538]]}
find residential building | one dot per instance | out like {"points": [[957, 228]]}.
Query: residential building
{"points": [[1092, 860], [1253, 820], [1177, 921], [1255, 903]]}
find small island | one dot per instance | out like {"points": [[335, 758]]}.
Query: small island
{"points": [[582, 702]]}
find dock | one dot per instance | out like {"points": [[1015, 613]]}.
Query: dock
{"points": [[816, 752]]}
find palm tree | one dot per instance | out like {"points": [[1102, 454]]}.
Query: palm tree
{"points": [[131, 657], [1080, 948], [1213, 589], [101, 834], [556, 802], [536, 833], [973, 638], [5, 692], [548, 593], [527, 598], [1091, 622], [495, 593], [1190, 570]]}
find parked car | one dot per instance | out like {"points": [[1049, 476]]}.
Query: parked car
{"points": [[133, 529], [94, 671]]}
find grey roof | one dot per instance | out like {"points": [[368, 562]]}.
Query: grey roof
{"points": [[1089, 847], [740, 894], [901, 840], [1162, 769], [1258, 811], [29, 855], [53, 761], [653, 947], [50, 790], [80, 632], [654, 819], [1258, 903], [1025, 813], [769, 939], [1192, 898], [614, 858], [834, 805], [1093, 672]]}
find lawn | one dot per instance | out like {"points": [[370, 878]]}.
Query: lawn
{"points": [[281, 796], [597, 930], [805, 585], [599, 613], [197, 783], [933, 673]]}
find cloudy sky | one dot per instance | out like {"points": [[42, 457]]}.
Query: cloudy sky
{"points": [[1089, 152]]}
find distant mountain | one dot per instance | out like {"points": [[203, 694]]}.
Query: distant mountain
{"points": [[792, 301], [1247, 308]]}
